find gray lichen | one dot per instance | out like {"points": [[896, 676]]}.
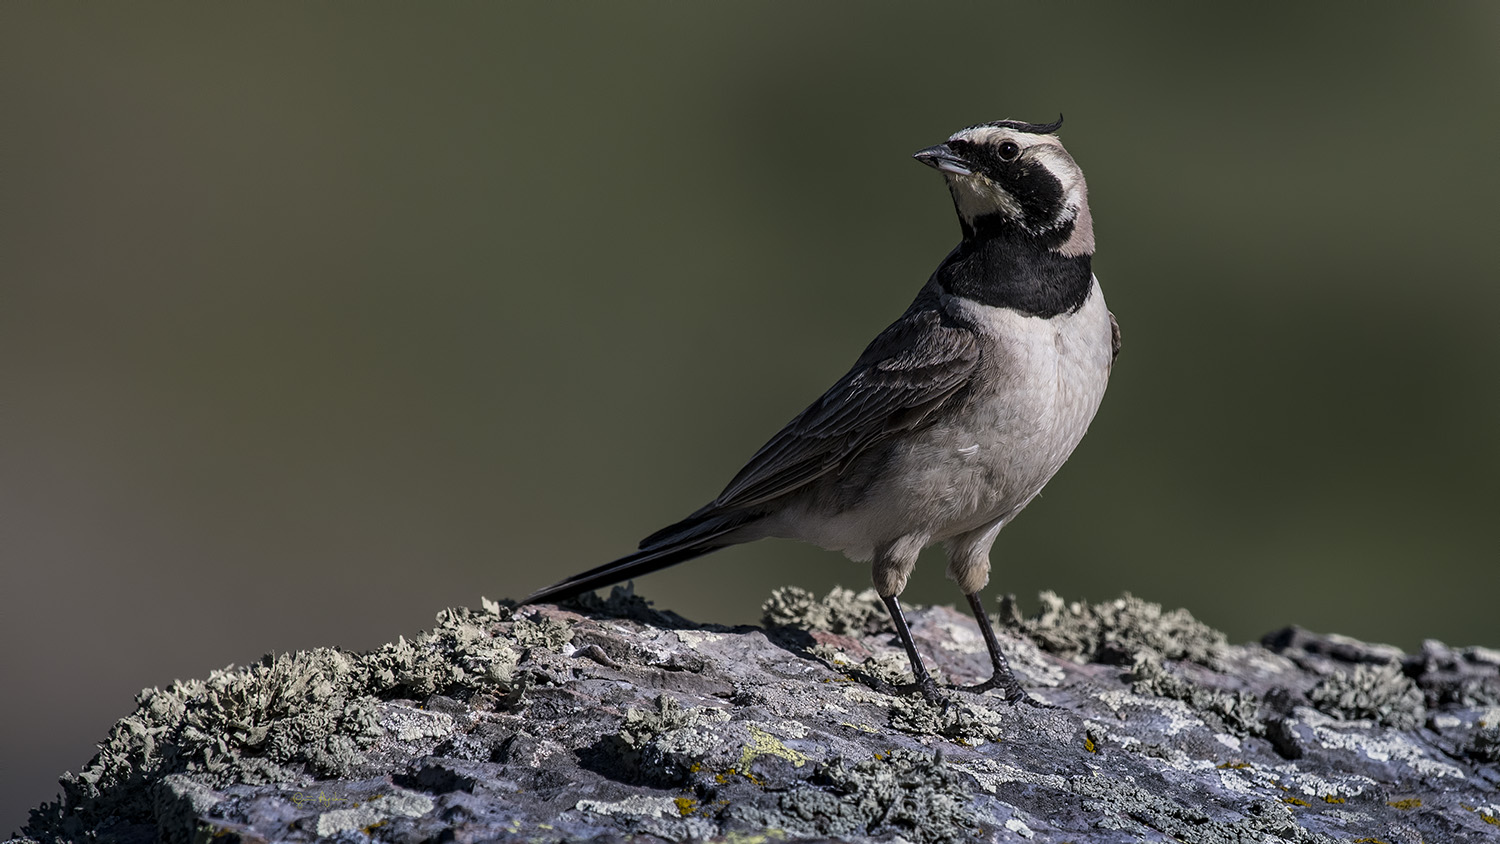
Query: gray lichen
{"points": [[1139, 811], [903, 793], [1237, 711], [1115, 631], [549, 633], [890, 668], [841, 611], [1377, 692], [666, 742], [956, 719]]}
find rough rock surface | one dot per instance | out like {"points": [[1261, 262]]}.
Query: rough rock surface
{"points": [[611, 721]]}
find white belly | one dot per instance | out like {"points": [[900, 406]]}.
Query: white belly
{"points": [[1042, 381]]}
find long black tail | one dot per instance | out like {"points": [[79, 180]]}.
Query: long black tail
{"points": [[698, 537]]}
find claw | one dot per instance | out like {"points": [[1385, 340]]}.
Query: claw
{"points": [[1013, 691], [928, 690], [1004, 678]]}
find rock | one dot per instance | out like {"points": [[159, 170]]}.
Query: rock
{"points": [[609, 720]]}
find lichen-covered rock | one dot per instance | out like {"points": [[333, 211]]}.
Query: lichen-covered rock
{"points": [[842, 611], [1381, 693], [1238, 711], [1115, 631], [955, 719], [620, 722], [904, 793]]}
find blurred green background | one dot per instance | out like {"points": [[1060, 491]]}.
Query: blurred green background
{"points": [[316, 319]]}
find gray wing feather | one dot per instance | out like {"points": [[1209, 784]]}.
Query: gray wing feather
{"points": [[907, 371]]}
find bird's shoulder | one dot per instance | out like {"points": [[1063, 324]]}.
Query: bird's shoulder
{"points": [[909, 369], [930, 334]]}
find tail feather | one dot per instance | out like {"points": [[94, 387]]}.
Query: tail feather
{"points": [[705, 521], [702, 538]]}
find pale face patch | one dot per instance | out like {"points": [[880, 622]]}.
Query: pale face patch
{"points": [[975, 195]]}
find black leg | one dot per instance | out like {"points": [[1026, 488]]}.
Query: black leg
{"points": [[924, 683], [1004, 678]]}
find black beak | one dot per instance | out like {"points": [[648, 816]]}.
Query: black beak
{"points": [[945, 159]]}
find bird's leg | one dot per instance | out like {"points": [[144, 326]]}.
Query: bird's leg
{"points": [[1003, 678], [924, 683]]}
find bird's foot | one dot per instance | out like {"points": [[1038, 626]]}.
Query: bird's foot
{"points": [[1010, 686], [928, 690]]}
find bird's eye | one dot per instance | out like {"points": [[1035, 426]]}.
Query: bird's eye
{"points": [[1009, 150]]}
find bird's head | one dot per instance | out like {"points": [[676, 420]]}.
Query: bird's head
{"points": [[1016, 176]]}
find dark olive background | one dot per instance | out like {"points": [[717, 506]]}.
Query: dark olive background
{"points": [[317, 319]]}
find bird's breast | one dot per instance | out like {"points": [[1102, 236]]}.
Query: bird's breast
{"points": [[1040, 383]]}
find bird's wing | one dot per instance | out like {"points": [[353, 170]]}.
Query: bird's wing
{"points": [[907, 372]]}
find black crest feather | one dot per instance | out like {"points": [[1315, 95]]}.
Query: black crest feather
{"points": [[1029, 128]]}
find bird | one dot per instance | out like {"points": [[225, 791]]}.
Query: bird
{"points": [[954, 417]]}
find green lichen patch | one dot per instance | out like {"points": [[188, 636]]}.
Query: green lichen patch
{"points": [[958, 720], [282, 720], [842, 611], [665, 743], [892, 668], [457, 654], [1115, 632], [1375, 692], [904, 793], [643, 725], [542, 632], [1236, 711]]}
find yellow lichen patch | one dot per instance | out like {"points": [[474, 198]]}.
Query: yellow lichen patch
{"points": [[374, 826], [1088, 744], [1404, 805], [724, 777], [686, 806], [1295, 801], [754, 837], [1369, 841], [1235, 766], [1329, 798], [763, 743]]}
